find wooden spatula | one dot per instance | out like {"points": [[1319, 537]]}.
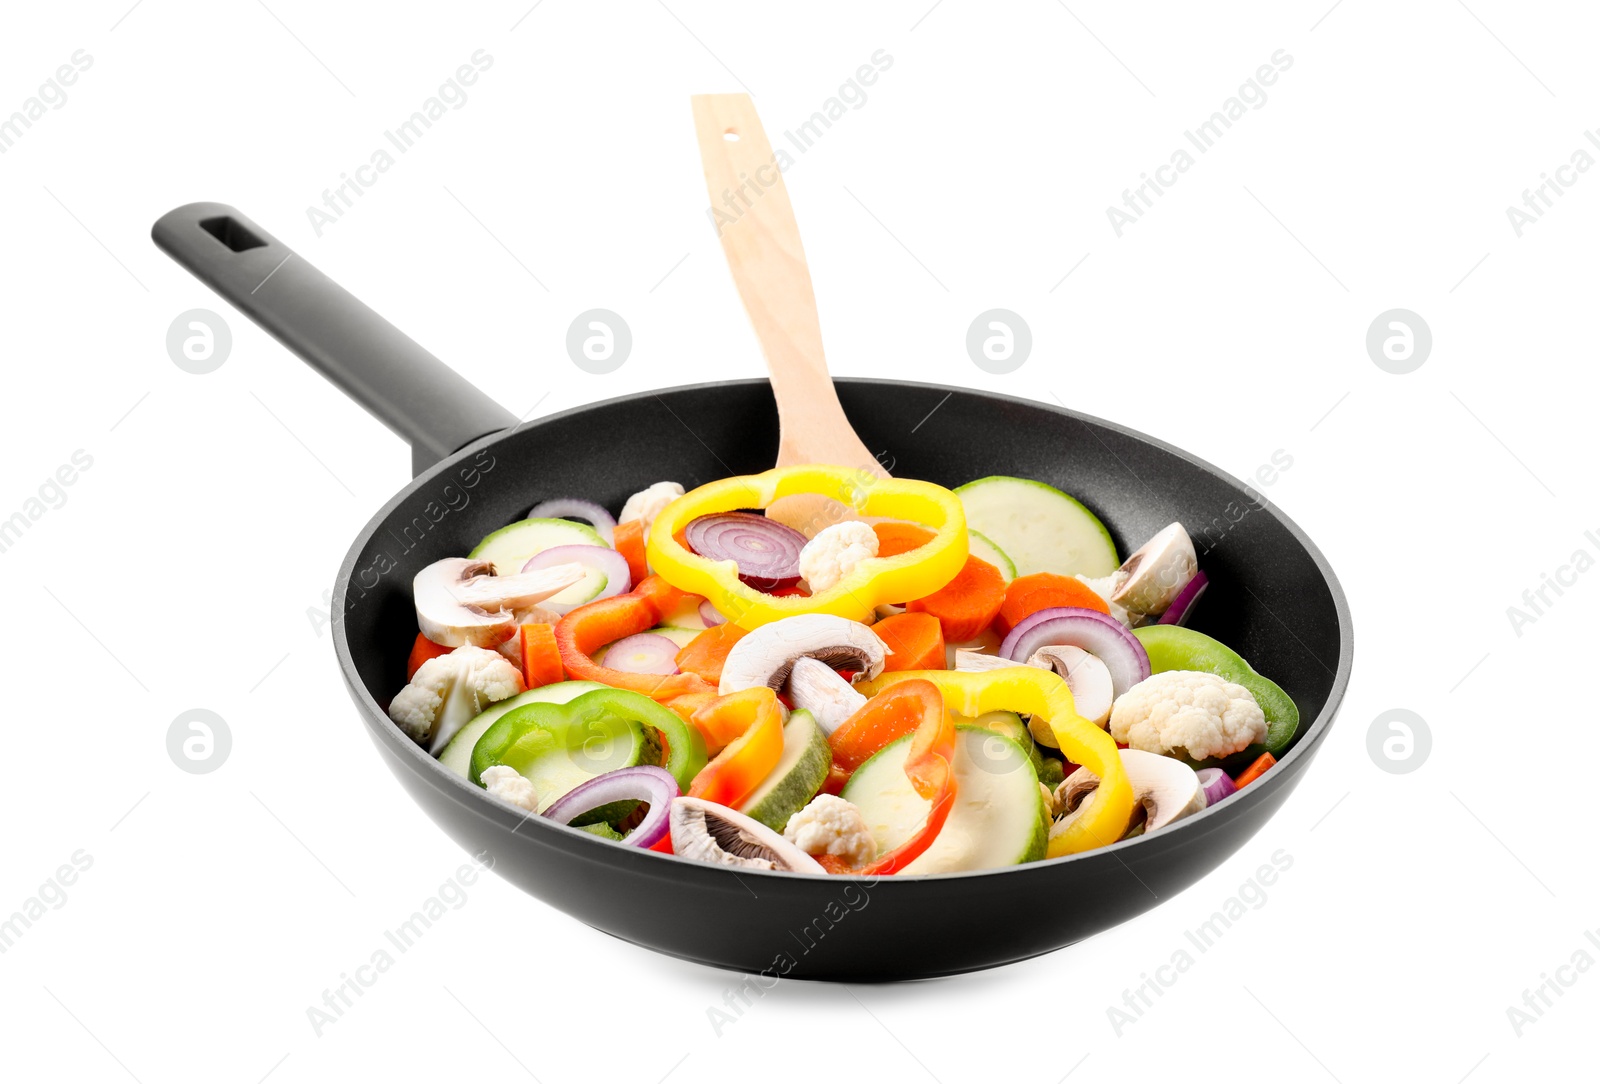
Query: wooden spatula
{"points": [[759, 235]]}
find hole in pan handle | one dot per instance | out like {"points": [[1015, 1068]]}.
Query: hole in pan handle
{"points": [[415, 394]]}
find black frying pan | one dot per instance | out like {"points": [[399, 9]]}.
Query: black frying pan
{"points": [[1273, 598]]}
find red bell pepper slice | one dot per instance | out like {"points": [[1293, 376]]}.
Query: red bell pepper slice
{"points": [[590, 627]]}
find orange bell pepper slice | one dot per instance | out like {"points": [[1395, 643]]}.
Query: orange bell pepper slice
{"points": [[749, 758], [706, 653], [590, 627]]}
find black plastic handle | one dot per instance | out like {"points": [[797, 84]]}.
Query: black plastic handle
{"points": [[408, 389]]}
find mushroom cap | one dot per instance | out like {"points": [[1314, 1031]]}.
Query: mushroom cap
{"points": [[707, 832], [1166, 789], [1157, 571], [767, 655], [461, 601], [1087, 677]]}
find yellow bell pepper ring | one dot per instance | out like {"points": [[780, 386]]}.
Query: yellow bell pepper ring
{"points": [[875, 581], [1029, 690]]}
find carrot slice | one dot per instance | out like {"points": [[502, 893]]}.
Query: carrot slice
{"points": [[1040, 591], [966, 604], [421, 651], [628, 538], [897, 536], [1256, 770], [541, 658], [916, 640], [706, 653]]}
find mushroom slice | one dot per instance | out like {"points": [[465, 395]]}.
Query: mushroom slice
{"points": [[1164, 790], [707, 832], [766, 656], [1085, 675], [461, 601], [1156, 572], [815, 687], [973, 662]]}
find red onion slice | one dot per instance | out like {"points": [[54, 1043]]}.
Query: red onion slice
{"points": [[1216, 784], [608, 562], [643, 783], [572, 508], [709, 614], [766, 551], [1183, 603], [1101, 635], [643, 653]]}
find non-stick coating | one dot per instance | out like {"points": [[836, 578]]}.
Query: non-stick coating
{"points": [[1272, 597]]}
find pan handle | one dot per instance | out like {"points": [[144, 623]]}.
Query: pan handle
{"points": [[421, 399]]}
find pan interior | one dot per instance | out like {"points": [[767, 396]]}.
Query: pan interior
{"points": [[1270, 599]]}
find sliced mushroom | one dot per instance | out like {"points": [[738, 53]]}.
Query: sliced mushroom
{"points": [[1164, 791], [815, 687], [461, 601], [978, 662], [1156, 572], [707, 832], [1085, 675], [766, 656]]}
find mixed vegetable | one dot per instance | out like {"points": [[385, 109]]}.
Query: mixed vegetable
{"points": [[910, 680]]}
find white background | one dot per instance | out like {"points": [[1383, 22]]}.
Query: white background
{"points": [[186, 566]]}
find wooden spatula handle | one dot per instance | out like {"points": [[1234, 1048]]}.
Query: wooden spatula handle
{"points": [[756, 224]]}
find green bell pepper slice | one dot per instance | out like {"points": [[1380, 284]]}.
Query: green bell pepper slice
{"points": [[1173, 647], [563, 744]]}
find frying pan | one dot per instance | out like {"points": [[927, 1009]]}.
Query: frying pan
{"points": [[1273, 598]]}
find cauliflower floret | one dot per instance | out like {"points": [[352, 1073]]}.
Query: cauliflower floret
{"points": [[831, 825], [1189, 713], [834, 551], [511, 787], [446, 692], [648, 503], [1105, 587]]}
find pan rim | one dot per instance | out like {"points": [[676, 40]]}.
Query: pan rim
{"points": [[474, 799]]}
